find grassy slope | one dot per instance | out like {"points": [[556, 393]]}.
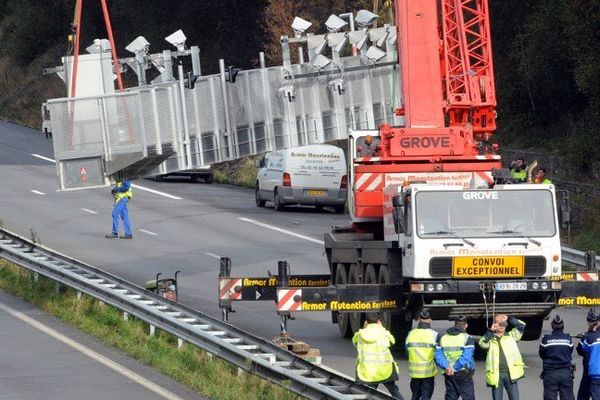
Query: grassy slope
{"points": [[210, 376]]}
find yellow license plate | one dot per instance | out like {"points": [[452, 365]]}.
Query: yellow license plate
{"points": [[487, 267], [312, 192]]}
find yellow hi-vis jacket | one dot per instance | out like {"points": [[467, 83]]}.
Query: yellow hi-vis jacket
{"points": [[514, 361], [119, 194], [375, 362], [420, 347]]}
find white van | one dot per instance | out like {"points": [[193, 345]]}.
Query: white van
{"points": [[314, 175]]}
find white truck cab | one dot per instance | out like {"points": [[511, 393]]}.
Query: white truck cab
{"points": [[457, 244]]}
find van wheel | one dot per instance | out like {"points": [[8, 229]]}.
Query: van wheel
{"points": [[277, 202], [259, 202], [319, 207], [339, 209]]}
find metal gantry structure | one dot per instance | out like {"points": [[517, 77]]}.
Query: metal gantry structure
{"points": [[192, 120]]}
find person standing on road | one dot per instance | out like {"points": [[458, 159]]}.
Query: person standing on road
{"points": [[584, 386], [420, 349], [454, 354], [556, 350], [375, 364], [590, 346], [503, 365], [122, 194]]}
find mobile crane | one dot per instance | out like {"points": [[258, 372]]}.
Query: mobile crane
{"points": [[436, 222]]}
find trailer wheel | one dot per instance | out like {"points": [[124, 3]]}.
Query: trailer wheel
{"points": [[355, 278], [384, 277], [341, 278], [370, 274]]}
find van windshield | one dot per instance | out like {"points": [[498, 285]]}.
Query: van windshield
{"points": [[485, 213]]}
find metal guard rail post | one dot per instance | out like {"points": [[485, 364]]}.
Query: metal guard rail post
{"points": [[579, 258], [244, 350]]}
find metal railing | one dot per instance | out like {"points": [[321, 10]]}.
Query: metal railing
{"points": [[244, 350], [587, 259]]}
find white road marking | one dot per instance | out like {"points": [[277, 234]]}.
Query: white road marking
{"points": [[43, 158], [148, 232], [170, 196], [89, 211], [38, 192], [129, 374], [274, 228], [213, 255]]}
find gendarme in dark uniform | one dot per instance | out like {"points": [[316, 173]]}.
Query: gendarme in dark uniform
{"points": [[556, 351]]}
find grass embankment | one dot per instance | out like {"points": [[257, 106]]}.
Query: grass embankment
{"points": [[240, 172], [588, 237], [190, 366]]}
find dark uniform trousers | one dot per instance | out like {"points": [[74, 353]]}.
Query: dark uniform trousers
{"points": [[459, 387], [595, 388], [558, 382], [422, 388]]}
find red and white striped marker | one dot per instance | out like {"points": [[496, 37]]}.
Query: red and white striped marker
{"points": [[227, 288], [368, 182], [289, 300], [587, 276]]}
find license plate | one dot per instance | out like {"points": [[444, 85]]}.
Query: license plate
{"points": [[312, 192], [511, 286], [487, 267]]}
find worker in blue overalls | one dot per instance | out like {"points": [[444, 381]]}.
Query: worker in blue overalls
{"points": [[122, 193]]}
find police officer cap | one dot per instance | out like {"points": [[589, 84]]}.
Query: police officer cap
{"points": [[424, 314], [592, 316], [557, 320], [460, 318]]}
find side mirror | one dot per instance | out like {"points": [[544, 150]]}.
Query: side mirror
{"points": [[398, 201]]}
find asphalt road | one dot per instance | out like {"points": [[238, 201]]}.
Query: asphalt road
{"points": [[45, 358], [184, 226]]}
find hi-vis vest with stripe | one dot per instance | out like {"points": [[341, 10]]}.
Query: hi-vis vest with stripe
{"points": [[120, 195], [514, 361], [420, 347], [453, 346], [375, 362]]}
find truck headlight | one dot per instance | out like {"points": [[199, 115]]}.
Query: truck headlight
{"points": [[535, 285], [439, 287], [430, 287], [544, 285]]}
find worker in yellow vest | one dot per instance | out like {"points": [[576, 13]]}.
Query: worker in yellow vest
{"points": [[122, 194], [504, 365], [375, 363], [518, 170], [454, 355], [420, 349]]}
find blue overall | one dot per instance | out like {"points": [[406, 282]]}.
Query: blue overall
{"points": [[120, 211]]}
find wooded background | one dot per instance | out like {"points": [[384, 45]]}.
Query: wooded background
{"points": [[546, 54]]}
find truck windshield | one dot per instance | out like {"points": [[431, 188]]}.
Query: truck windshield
{"points": [[485, 213]]}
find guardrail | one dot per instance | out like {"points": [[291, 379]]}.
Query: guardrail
{"points": [[579, 258], [244, 350]]}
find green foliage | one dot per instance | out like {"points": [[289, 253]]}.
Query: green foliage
{"points": [[31, 27]]}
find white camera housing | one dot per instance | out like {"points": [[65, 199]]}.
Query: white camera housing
{"points": [[365, 18], [375, 54], [335, 23], [177, 39], [139, 45], [300, 26], [320, 62]]}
